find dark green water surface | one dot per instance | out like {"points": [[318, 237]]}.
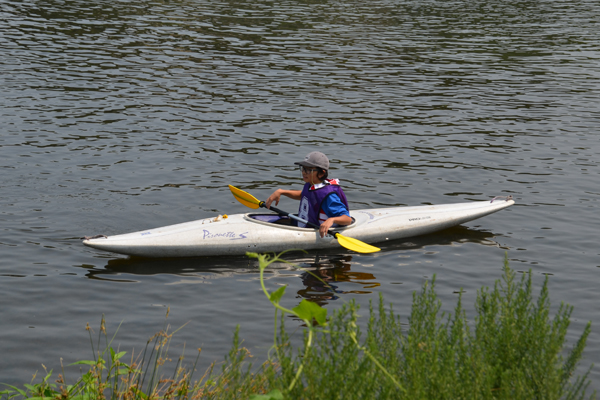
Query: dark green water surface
{"points": [[121, 116]]}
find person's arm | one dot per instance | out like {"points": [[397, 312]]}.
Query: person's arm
{"points": [[339, 214], [342, 220], [276, 196]]}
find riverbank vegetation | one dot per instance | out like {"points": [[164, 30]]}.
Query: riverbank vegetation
{"points": [[512, 349]]}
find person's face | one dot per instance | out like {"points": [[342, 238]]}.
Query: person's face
{"points": [[309, 175]]}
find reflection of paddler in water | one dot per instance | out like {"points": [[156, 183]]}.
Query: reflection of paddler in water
{"points": [[320, 281]]}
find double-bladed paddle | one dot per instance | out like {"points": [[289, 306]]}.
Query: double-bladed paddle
{"points": [[350, 243]]}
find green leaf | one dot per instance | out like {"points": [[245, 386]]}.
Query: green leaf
{"points": [[125, 371], [21, 392], [48, 376], [87, 378], [141, 394], [84, 362], [274, 394], [277, 295], [308, 310]]}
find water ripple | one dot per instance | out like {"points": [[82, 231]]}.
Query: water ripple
{"points": [[118, 116]]}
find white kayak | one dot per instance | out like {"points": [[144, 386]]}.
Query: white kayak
{"points": [[237, 234]]}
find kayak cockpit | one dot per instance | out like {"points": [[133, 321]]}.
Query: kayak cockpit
{"points": [[278, 221], [271, 218]]}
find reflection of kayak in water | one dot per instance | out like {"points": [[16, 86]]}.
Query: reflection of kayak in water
{"points": [[256, 232]]}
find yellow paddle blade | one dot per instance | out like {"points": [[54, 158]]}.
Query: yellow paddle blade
{"points": [[245, 198], [356, 245]]}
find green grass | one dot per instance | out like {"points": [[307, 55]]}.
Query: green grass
{"points": [[512, 349]]}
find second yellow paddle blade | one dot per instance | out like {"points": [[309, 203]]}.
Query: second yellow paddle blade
{"points": [[245, 198], [356, 245]]}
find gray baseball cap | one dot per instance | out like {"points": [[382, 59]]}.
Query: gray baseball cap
{"points": [[315, 159]]}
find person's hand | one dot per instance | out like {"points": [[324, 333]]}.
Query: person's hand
{"points": [[273, 198], [325, 226]]}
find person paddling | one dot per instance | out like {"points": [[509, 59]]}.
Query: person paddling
{"points": [[322, 200]]}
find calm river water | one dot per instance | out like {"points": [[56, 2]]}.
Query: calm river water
{"points": [[121, 116]]}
